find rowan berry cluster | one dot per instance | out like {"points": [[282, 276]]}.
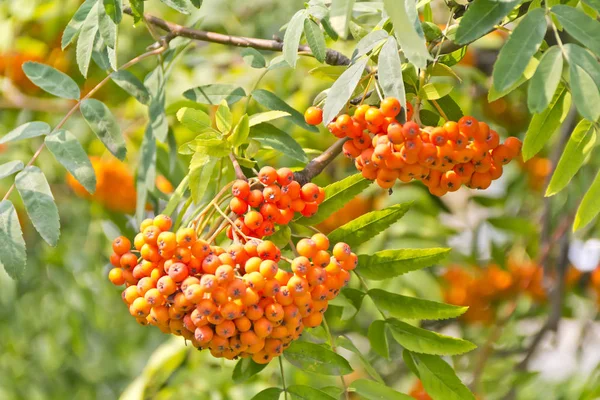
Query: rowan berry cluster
{"points": [[444, 158], [277, 201], [236, 301], [481, 289]]}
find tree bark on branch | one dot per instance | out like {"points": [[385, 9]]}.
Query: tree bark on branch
{"points": [[333, 57]]}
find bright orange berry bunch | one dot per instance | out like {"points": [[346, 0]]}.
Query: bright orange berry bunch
{"points": [[243, 300], [276, 201], [444, 158]]}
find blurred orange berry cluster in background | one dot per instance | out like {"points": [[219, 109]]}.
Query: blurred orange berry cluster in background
{"points": [[115, 186], [481, 289]]}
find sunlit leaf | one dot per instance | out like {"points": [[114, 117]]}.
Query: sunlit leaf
{"points": [[371, 390], [105, 126], [544, 124], [132, 85], [26, 131], [408, 31], [342, 90], [390, 263], [316, 358], [11, 167], [378, 338], [340, 14], [179, 5], [39, 203], [51, 80], [224, 118], [580, 26], [272, 102], [302, 392], [481, 17], [85, 43], [74, 26], [590, 205], [315, 39], [12, 245], [579, 146], [337, 195], [273, 138], [406, 307], [69, 152], [544, 82], [266, 116], [240, 133], [439, 379], [520, 47], [114, 9], [215, 93], [420, 340], [245, 369], [267, 394], [291, 39], [368, 225], [146, 172], [390, 71], [343, 341]]}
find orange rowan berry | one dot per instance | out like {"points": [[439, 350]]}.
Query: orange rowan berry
{"points": [[128, 261], [492, 139], [200, 249], [255, 198], [350, 263], [274, 312], [267, 250], [238, 206], [359, 113], [321, 241], [263, 327], [292, 190], [204, 335], [495, 171], [374, 116], [186, 237], [321, 258], [253, 219], [272, 194], [146, 223], [166, 241], [343, 123], [341, 251], [390, 107], [313, 115], [231, 310], [427, 154], [150, 253], [410, 130], [208, 283], [297, 285], [306, 247], [151, 234], [285, 176], [269, 212], [116, 276], [350, 150], [115, 260], [309, 192], [139, 307], [267, 175], [182, 254], [363, 142], [480, 180], [439, 136], [313, 320], [484, 164], [121, 245], [464, 171], [452, 130], [514, 145], [502, 155], [268, 269], [409, 111], [255, 280], [240, 189], [395, 133], [450, 181], [163, 222]]}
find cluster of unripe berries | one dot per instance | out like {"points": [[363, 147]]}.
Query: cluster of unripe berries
{"points": [[444, 158], [276, 201], [243, 300]]}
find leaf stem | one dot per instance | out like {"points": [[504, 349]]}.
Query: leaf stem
{"points": [[333, 348], [283, 378]]}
